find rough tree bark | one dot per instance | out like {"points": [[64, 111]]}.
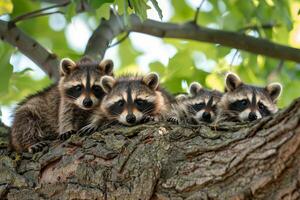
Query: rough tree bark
{"points": [[161, 161]]}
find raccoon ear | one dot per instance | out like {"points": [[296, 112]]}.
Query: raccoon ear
{"points": [[107, 83], [232, 81], [107, 66], [151, 80], [180, 97], [67, 66], [194, 88], [274, 90]]}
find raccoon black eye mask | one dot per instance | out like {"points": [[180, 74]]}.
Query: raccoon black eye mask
{"points": [[248, 102]]}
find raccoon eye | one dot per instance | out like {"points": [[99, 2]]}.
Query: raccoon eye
{"points": [[214, 107], [78, 87], [239, 105], [244, 102], [120, 103], [140, 102], [261, 106], [264, 111], [198, 106], [96, 88]]}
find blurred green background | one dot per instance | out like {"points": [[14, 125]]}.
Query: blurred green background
{"points": [[179, 62]]}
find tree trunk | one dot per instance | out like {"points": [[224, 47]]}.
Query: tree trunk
{"points": [[161, 161]]}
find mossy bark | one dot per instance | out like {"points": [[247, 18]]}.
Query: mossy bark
{"points": [[161, 161]]}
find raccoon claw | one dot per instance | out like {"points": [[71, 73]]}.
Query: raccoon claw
{"points": [[87, 130], [173, 120], [66, 135], [37, 147], [148, 118]]}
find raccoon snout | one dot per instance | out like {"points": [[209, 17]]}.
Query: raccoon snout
{"points": [[206, 116], [87, 102], [130, 118], [252, 116]]}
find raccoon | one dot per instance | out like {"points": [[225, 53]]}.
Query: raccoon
{"points": [[130, 100], [243, 102], [60, 109], [200, 105]]}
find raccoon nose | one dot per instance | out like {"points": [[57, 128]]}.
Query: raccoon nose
{"points": [[130, 118], [252, 116], [87, 103], [206, 116]]}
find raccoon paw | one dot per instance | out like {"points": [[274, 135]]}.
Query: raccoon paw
{"points": [[87, 130], [148, 118], [37, 147], [64, 136], [173, 120]]}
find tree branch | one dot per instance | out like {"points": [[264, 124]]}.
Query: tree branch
{"points": [[103, 35], [39, 12], [237, 161], [46, 60], [108, 29]]}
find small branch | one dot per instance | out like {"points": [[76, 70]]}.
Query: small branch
{"points": [[197, 12], [274, 73], [233, 58], [257, 27], [46, 60], [40, 15], [120, 40], [39, 12]]}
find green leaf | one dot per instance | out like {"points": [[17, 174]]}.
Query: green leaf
{"points": [[6, 69], [6, 72], [70, 11], [157, 67], [127, 53], [140, 8], [157, 8], [103, 11], [6, 7], [98, 3], [22, 85]]}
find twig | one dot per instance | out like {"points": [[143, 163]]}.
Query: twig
{"points": [[276, 71], [233, 58], [257, 27], [39, 12], [120, 40], [197, 12]]}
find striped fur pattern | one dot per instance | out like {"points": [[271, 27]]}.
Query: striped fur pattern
{"points": [[200, 105], [243, 102], [131, 100], [60, 109]]}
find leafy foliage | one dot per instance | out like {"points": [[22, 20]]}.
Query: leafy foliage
{"points": [[6, 7], [275, 20]]}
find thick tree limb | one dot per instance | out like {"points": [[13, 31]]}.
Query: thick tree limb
{"points": [[103, 35], [162, 161], [109, 29], [46, 60]]}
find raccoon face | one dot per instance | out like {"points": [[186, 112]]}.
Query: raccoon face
{"points": [[250, 102], [201, 104], [129, 99], [80, 82]]}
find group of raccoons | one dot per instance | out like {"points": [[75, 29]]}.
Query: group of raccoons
{"points": [[88, 96]]}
